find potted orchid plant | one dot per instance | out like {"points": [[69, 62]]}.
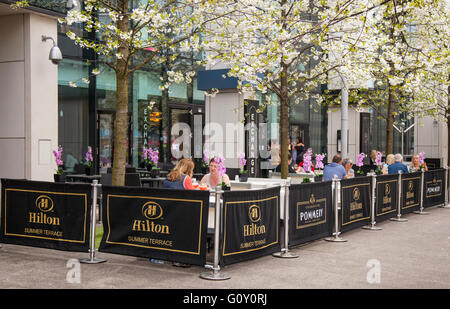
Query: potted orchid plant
{"points": [[222, 170], [205, 162], [359, 163], [243, 174], [59, 176], [422, 160], [153, 157], [319, 167], [89, 162], [379, 163], [307, 164]]}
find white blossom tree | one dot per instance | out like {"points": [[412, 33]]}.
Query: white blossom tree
{"points": [[149, 28], [430, 86], [284, 47], [400, 54]]}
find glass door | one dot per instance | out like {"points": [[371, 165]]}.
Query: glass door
{"points": [[179, 116], [106, 138]]}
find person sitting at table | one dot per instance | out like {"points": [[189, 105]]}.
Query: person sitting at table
{"points": [[181, 176], [415, 165], [348, 165], [389, 161], [213, 178], [397, 166], [290, 165]]}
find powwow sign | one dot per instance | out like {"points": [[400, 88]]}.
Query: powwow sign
{"points": [[251, 224], [410, 192], [310, 212], [387, 197], [434, 188], [45, 214], [164, 224], [355, 202]]}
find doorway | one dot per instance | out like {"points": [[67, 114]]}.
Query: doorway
{"points": [[105, 122]]}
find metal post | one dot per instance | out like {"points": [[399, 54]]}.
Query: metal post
{"points": [[215, 274], [399, 200], [344, 118], [421, 212], [447, 194], [336, 237], [285, 251], [92, 259], [372, 205]]}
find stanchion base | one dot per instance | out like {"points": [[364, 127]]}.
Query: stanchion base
{"points": [[335, 239], [418, 212], [94, 261], [445, 206], [373, 228], [215, 276], [285, 255], [398, 219]]}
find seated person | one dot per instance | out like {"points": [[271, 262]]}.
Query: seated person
{"points": [[348, 165], [415, 165], [389, 161], [334, 168], [290, 165], [181, 176], [397, 166], [214, 179]]}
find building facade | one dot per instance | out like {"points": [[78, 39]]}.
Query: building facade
{"points": [[44, 105]]}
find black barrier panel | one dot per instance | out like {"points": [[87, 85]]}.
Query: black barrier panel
{"points": [[310, 212], [46, 214], [355, 202], [164, 224], [434, 188], [251, 224], [387, 197], [410, 192]]}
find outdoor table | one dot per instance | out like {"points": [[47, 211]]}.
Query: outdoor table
{"points": [[82, 177], [153, 182]]}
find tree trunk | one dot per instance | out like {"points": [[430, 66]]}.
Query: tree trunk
{"points": [[284, 107], [284, 123], [121, 121], [120, 130], [390, 122], [166, 147]]}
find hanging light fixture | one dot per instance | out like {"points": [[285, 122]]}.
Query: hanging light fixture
{"points": [[55, 55]]}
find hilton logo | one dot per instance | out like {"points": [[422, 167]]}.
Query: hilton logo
{"points": [[410, 193], [151, 211], [254, 214], [387, 191], [45, 205], [356, 194]]}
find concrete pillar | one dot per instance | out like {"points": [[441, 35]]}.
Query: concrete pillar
{"points": [[29, 100]]}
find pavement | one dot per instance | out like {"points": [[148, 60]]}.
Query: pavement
{"points": [[403, 255]]}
